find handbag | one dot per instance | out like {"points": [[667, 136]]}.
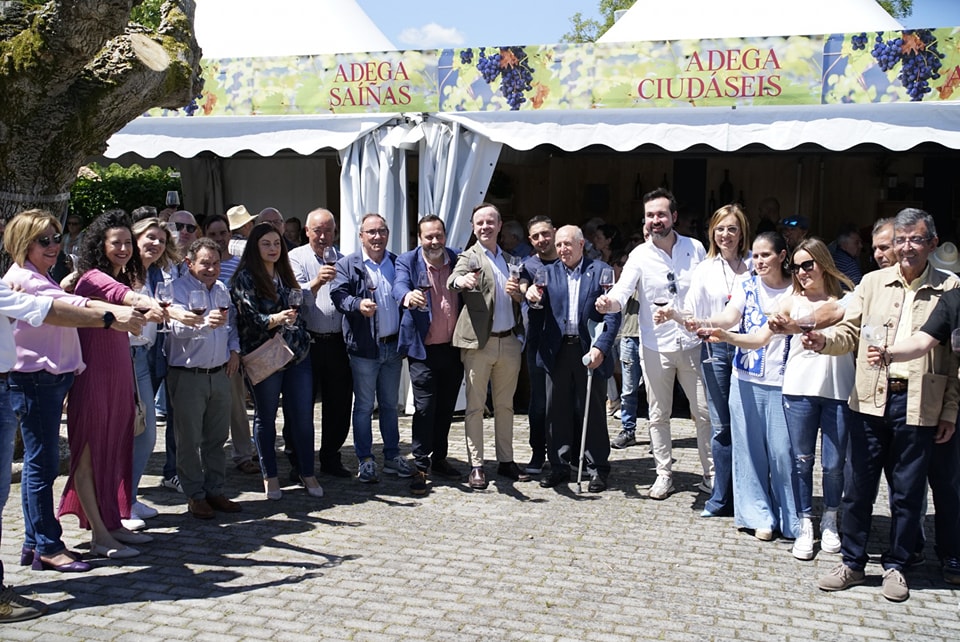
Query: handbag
{"points": [[140, 418], [271, 356]]}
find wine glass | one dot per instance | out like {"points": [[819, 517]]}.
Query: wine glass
{"points": [[423, 284], [370, 283], [164, 295], [294, 300], [173, 198], [329, 255], [661, 297], [705, 331], [874, 335], [221, 300], [540, 282], [807, 322], [515, 266], [474, 265], [606, 279], [955, 340], [197, 303]]}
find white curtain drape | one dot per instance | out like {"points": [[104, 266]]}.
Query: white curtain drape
{"points": [[456, 166], [373, 178]]}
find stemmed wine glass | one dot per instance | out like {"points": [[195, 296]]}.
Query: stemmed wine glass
{"points": [[221, 299], [807, 322], [330, 255], [370, 283], [540, 282], [514, 266], [661, 297], [473, 265], [606, 279], [705, 331], [875, 334], [423, 284], [173, 198], [294, 300], [164, 295], [197, 302]]}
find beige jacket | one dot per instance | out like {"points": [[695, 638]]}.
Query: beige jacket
{"points": [[476, 317], [933, 389]]}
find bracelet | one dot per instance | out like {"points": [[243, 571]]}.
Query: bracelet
{"points": [[885, 356]]}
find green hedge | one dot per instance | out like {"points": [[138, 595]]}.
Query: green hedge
{"points": [[125, 187]]}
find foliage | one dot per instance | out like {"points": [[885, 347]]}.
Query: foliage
{"points": [[897, 8], [125, 187], [147, 14], [588, 30]]}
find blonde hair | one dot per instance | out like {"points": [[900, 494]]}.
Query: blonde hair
{"points": [[24, 228], [170, 255], [833, 278], [722, 213]]}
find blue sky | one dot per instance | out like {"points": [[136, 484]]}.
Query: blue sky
{"points": [[424, 24]]}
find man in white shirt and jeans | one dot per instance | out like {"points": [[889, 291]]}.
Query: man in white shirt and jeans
{"points": [[662, 269]]}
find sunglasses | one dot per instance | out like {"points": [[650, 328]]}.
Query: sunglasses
{"points": [[190, 227], [806, 266], [672, 283], [45, 241]]}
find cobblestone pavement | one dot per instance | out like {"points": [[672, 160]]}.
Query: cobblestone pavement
{"points": [[514, 562]]}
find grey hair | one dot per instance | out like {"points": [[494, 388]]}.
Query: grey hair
{"points": [[879, 224], [911, 216]]}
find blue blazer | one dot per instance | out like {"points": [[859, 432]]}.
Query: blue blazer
{"points": [[549, 321], [346, 292], [414, 323]]}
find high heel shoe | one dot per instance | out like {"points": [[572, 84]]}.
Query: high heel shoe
{"points": [[313, 491], [273, 493], [73, 566], [121, 553], [26, 556], [128, 537]]}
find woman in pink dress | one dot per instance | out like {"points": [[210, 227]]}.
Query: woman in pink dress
{"points": [[100, 410]]}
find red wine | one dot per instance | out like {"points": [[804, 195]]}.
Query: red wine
{"points": [[142, 310], [224, 310], [198, 311], [660, 302], [606, 287], [295, 308], [704, 333], [165, 304], [424, 288], [807, 327]]}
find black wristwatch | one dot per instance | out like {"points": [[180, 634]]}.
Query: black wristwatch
{"points": [[108, 320]]}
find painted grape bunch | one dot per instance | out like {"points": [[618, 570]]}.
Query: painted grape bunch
{"points": [[513, 67], [915, 49]]}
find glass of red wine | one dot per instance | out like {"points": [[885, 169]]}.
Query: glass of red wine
{"points": [[221, 299], [661, 297], [474, 265], [423, 284], [606, 279], [294, 300], [705, 331], [539, 282], [807, 322], [197, 303], [329, 255], [164, 295]]}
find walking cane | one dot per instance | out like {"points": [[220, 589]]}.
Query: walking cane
{"points": [[583, 431]]}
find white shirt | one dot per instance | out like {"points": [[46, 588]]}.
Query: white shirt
{"points": [[503, 305], [319, 313], [764, 366], [573, 299], [651, 268], [712, 285], [388, 311], [18, 306]]}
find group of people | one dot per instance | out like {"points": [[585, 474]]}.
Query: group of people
{"points": [[769, 343]]}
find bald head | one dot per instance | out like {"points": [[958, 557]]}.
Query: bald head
{"points": [[569, 242], [272, 216], [321, 230]]}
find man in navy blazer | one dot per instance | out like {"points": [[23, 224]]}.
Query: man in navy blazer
{"points": [[564, 342], [363, 292], [428, 318]]}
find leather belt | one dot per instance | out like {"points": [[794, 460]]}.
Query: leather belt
{"points": [[500, 335], [571, 338], [897, 385], [389, 338], [326, 336], [206, 371]]}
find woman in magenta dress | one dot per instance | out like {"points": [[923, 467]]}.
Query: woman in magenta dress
{"points": [[100, 410]]}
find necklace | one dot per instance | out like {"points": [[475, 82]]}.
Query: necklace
{"points": [[733, 277]]}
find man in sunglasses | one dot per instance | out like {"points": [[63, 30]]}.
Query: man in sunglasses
{"points": [[183, 228], [660, 272]]}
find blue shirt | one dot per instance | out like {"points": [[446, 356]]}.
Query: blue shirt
{"points": [[215, 344]]}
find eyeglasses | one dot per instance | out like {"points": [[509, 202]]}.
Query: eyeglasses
{"points": [[806, 266], [45, 241], [912, 240], [190, 227], [378, 232], [672, 282]]}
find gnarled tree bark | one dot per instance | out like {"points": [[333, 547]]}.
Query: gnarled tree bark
{"points": [[74, 72]]}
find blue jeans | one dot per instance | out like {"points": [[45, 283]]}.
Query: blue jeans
{"points": [[144, 442], [886, 446], [805, 416], [537, 409], [716, 380], [630, 373], [296, 384], [8, 430], [376, 379], [763, 480], [37, 401]]}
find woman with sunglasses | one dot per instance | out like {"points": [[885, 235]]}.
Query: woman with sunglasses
{"points": [[100, 412], [48, 358], [712, 284], [763, 488], [157, 253], [260, 289]]}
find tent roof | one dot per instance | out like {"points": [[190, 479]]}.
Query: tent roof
{"points": [[255, 28], [704, 19], [897, 126]]}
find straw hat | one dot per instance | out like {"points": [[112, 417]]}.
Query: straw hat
{"points": [[946, 257], [238, 217]]}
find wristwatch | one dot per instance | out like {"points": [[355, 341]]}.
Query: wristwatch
{"points": [[108, 320]]}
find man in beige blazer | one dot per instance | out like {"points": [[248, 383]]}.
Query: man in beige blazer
{"points": [[488, 332]]}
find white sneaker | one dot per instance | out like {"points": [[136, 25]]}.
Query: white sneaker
{"points": [[706, 485], [133, 524], [803, 545], [662, 488], [397, 466], [142, 511], [829, 535]]}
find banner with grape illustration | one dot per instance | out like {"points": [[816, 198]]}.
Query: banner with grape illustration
{"points": [[908, 65]]}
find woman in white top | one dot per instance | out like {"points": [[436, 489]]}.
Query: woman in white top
{"points": [[763, 486], [727, 265]]}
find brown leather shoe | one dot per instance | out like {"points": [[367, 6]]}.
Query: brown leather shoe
{"points": [[510, 470], [222, 504], [199, 508], [477, 478]]}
